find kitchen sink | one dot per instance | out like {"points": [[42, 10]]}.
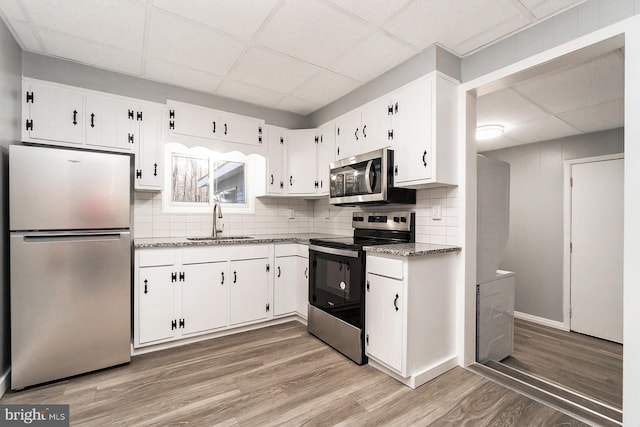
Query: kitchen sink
{"points": [[220, 238]]}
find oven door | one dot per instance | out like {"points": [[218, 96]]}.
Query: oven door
{"points": [[336, 283]]}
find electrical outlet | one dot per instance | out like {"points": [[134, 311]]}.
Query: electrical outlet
{"points": [[436, 212]]}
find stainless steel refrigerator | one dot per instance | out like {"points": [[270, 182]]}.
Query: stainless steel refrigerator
{"points": [[70, 259]]}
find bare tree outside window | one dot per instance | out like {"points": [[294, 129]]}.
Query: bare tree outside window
{"points": [[189, 179]]}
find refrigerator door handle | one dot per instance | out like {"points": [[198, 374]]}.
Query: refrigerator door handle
{"points": [[69, 237]]}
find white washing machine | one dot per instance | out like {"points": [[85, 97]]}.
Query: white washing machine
{"points": [[495, 303]]}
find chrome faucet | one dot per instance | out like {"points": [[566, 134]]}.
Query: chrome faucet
{"points": [[217, 213]]}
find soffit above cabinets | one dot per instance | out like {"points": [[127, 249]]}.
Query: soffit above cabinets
{"points": [[294, 55], [584, 97]]}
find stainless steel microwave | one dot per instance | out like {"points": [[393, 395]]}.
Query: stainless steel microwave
{"points": [[367, 179]]}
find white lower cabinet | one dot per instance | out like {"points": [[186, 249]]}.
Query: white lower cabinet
{"points": [[186, 292], [410, 316], [291, 280]]}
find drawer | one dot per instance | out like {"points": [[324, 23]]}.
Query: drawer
{"points": [[290, 249], [239, 252], [199, 255], [387, 267], [157, 257]]}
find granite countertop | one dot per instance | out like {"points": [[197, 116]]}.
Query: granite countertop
{"points": [[177, 242], [411, 249]]}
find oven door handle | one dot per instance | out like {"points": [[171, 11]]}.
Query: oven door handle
{"points": [[334, 251]]}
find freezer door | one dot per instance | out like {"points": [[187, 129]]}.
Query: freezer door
{"points": [[70, 304], [57, 189]]}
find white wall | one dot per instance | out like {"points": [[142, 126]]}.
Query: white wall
{"points": [[10, 96], [535, 248]]}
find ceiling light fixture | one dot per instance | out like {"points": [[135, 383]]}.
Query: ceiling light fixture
{"points": [[489, 132]]}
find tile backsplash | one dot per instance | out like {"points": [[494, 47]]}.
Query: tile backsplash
{"points": [[310, 216]]}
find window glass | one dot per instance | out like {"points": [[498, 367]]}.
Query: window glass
{"points": [[229, 181], [189, 179]]}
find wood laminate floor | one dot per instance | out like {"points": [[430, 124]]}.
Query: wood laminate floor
{"points": [[280, 375], [585, 364]]}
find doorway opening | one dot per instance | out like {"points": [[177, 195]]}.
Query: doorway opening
{"points": [[554, 116]]}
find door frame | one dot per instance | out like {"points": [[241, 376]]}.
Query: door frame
{"points": [[566, 258]]}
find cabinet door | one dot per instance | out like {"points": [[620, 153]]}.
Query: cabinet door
{"points": [[413, 132], [191, 120], [301, 161], [248, 291], [302, 291], [54, 114], [204, 297], [376, 122], [241, 129], [149, 150], [156, 299], [110, 123], [285, 285], [325, 151], [384, 314], [276, 156], [348, 135]]}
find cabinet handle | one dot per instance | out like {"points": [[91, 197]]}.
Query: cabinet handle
{"points": [[368, 285], [396, 109], [424, 159], [338, 151], [235, 277], [75, 117], [306, 272], [130, 138], [395, 170], [130, 115], [155, 169], [364, 131], [214, 126], [145, 286], [278, 271], [222, 280], [271, 179], [225, 128], [395, 302], [356, 133], [291, 180], [93, 116]]}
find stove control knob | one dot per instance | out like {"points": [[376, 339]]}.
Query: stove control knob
{"points": [[396, 219], [403, 219]]}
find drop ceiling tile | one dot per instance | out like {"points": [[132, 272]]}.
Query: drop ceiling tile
{"points": [[594, 82], [26, 38], [495, 32], [325, 87], [11, 10], [544, 8], [312, 31], [373, 56], [249, 93], [374, 11], [116, 23], [609, 115], [543, 129], [176, 40], [506, 107], [272, 70], [241, 18], [297, 105], [70, 47], [453, 22], [182, 76]]}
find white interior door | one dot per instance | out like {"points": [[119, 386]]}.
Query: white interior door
{"points": [[597, 248]]}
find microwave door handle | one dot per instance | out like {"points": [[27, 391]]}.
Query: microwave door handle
{"points": [[367, 175]]}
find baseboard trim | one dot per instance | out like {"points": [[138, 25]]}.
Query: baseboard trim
{"points": [[4, 382], [541, 321], [416, 380]]}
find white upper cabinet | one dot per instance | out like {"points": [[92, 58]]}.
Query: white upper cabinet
{"points": [[325, 155], [276, 171], [424, 133], [348, 135], [376, 124], [148, 142], [202, 122], [301, 161], [110, 123], [52, 114]]}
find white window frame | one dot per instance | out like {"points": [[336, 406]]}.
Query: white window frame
{"points": [[168, 206]]}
